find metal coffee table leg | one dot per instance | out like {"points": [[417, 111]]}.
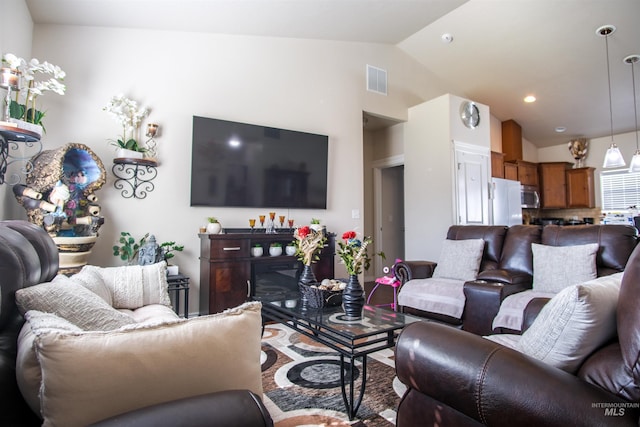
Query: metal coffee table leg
{"points": [[349, 403]]}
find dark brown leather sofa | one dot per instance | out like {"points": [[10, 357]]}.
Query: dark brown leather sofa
{"points": [[28, 256], [456, 378], [507, 264]]}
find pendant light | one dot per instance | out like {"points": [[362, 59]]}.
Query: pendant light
{"points": [[635, 161], [613, 158]]}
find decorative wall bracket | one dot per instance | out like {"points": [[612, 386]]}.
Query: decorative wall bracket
{"points": [[9, 138], [134, 176]]}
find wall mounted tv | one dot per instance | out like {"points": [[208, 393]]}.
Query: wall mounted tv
{"points": [[244, 165]]}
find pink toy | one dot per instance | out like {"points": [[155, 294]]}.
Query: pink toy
{"points": [[388, 281]]}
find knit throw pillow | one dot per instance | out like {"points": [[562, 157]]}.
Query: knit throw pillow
{"points": [[74, 303], [556, 267], [459, 259], [574, 323], [135, 286]]}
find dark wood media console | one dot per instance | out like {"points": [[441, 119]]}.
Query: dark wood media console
{"points": [[229, 275]]}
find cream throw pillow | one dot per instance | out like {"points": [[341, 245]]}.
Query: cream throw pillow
{"points": [[90, 376], [459, 259], [134, 286], [73, 302], [574, 323], [91, 279], [556, 267], [28, 374]]}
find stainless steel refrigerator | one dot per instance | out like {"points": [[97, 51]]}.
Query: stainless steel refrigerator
{"points": [[506, 204]]}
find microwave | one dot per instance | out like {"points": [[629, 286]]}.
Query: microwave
{"points": [[529, 197]]}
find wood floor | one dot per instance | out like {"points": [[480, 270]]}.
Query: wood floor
{"points": [[382, 295]]}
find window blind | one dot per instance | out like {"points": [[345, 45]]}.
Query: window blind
{"points": [[620, 189]]}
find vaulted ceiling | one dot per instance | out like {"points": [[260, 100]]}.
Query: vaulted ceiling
{"points": [[501, 50]]}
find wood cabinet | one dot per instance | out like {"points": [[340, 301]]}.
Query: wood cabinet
{"points": [[580, 188], [228, 271], [553, 187], [511, 140], [497, 165], [510, 171], [527, 172], [563, 187]]}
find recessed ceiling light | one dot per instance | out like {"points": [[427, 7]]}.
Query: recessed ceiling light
{"points": [[561, 129], [529, 98]]}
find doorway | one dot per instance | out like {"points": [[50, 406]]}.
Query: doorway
{"points": [[389, 212], [383, 165]]}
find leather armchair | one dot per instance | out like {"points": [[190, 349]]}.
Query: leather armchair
{"points": [[28, 256], [493, 236], [232, 408], [456, 378]]}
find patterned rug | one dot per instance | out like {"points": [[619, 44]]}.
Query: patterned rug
{"points": [[301, 381]]}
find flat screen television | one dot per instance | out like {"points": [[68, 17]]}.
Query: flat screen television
{"points": [[245, 165]]}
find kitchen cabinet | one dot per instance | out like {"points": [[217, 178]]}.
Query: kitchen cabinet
{"points": [[527, 172], [511, 140], [510, 171], [553, 186], [580, 188], [497, 165]]}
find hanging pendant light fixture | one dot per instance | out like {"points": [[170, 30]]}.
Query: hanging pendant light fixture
{"points": [[635, 161], [613, 157]]}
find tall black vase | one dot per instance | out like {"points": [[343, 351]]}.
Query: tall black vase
{"points": [[307, 277], [353, 299]]}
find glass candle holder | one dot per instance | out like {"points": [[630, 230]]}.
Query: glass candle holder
{"points": [[152, 130], [9, 80]]}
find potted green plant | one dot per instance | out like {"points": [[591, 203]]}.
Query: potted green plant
{"points": [[315, 224], [275, 249], [168, 249], [213, 226], [128, 248], [257, 250]]}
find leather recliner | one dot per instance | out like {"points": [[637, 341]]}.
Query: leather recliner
{"points": [[456, 378], [28, 256], [507, 264]]}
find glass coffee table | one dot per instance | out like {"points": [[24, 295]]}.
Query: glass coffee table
{"points": [[353, 340]]}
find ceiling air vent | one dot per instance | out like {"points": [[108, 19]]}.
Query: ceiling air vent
{"points": [[376, 80]]}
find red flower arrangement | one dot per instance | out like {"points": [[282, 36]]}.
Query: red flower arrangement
{"points": [[353, 252]]}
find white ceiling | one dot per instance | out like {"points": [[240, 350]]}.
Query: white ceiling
{"points": [[502, 50]]}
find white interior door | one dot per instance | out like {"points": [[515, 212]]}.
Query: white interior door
{"points": [[472, 183]]}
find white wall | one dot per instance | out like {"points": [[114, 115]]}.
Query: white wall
{"points": [[428, 181], [313, 86], [15, 37]]}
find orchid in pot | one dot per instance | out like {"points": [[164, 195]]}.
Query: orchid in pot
{"points": [[25, 75], [129, 115]]}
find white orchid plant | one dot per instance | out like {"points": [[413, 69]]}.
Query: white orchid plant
{"points": [[23, 107], [129, 116]]}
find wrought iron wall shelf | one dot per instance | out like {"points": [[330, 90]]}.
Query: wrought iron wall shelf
{"points": [[10, 136], [134, 176]]}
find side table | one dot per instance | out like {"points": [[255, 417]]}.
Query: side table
{"points": [[179, 283]]}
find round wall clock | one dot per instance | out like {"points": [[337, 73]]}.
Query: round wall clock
{"points": [[470, 114]]}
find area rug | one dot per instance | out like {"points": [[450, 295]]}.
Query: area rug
{"points": [[301, 381]]}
